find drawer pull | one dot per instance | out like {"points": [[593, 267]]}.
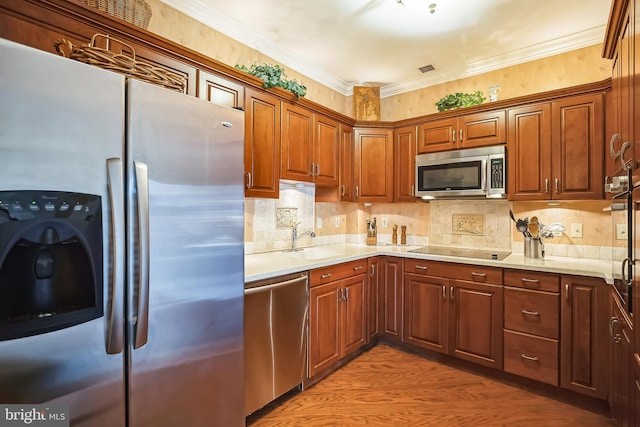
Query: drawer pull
{"points": [[421, 267], [530, 313], [478, 276], [530, 281], [532, 358], [357, 268], [325, 276]]}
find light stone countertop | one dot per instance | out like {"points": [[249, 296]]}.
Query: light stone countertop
{"points": [[268, 265]]}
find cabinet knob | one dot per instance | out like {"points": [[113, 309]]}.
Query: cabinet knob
{"points": [[249, 184]]}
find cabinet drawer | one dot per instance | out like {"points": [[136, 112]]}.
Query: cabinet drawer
{"points": [[319, 276], [532, 312], [473, 273], [531, 357], [549, 282]]}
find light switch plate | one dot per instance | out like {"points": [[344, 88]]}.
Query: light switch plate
{"points": [[385, 221], [621, 231], [337, 222], [318, 222]]}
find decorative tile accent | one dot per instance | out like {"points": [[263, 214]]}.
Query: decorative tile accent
{"points": [[286, 217], [468, 224]]}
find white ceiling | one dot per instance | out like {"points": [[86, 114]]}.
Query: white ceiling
{"points": [[346, 43]]}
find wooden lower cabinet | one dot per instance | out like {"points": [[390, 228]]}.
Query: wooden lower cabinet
{"points": [[337, 321], [621, 369], [391, 298], [584, 351], [454, 311], [532, 325], [372, 298], [427, 312]]}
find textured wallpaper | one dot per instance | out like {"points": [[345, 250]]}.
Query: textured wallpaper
{"points": [[555, 72]]}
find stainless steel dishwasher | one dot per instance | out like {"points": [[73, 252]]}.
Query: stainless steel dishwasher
{"points": [[275, 330]]}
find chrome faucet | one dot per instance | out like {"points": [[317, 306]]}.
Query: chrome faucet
{"points": [[295, 236]]}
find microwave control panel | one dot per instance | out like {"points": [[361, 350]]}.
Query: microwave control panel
{"points": [[497, 173]]}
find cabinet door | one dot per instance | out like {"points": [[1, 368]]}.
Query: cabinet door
{"points": [[476, 322], [391, 307], [529, 151], [353, 330], [324, 326], [426, 312], [346, 163], [577, 141], [326, 151], [373, 165], [482, 129], [297, 138], [583, 331], [373, 297], [220, 91], [620, 366], [439, 135], [261, 144], [404, 154]]}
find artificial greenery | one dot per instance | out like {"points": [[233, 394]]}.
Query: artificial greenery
{"points": [[459, 99], [274, 75]]}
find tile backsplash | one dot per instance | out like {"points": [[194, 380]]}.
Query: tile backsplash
{"points": [[481, 224], [268, 222]]}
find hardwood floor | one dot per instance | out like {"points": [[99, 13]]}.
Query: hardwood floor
{"points": [[387, 387]]}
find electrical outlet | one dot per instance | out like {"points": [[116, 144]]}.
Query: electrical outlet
{"points": [[576, 230], [318, 222], [621, 231], [337, 222], [385, 221]]}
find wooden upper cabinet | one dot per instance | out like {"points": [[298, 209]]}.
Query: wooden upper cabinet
{"points": [[326, 150], [404, 155], [577, 138], [346, 164], [437, 136], [529, 152], [261, 144], [220, 91], [373, 165], [310, 146], [556, 149], [297, 139], [468, 131], [482, 129]]}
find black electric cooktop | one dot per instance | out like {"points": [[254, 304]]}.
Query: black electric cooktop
{"points": [[462, 252]]}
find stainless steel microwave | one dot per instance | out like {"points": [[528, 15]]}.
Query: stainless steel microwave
{"points": [[473, 172]]}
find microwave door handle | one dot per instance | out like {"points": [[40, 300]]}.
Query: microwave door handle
{"points": [[483, 175]]}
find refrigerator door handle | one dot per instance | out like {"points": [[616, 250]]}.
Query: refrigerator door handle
{"points": [[142, 285], [115, 316]]}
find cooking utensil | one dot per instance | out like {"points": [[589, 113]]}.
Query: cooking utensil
{"points": [[534, 227], [523, 226], [511, 215]]}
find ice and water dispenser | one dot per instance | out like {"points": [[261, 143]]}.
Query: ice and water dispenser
{"points": [[50, 261]]}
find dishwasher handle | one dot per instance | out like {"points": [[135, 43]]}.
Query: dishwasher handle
{"points": [[258, 289]]}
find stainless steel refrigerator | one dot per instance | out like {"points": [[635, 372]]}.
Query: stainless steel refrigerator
{"points": [[121, 244]]}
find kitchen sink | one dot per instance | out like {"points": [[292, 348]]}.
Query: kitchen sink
{"points": [[315, 253]]}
